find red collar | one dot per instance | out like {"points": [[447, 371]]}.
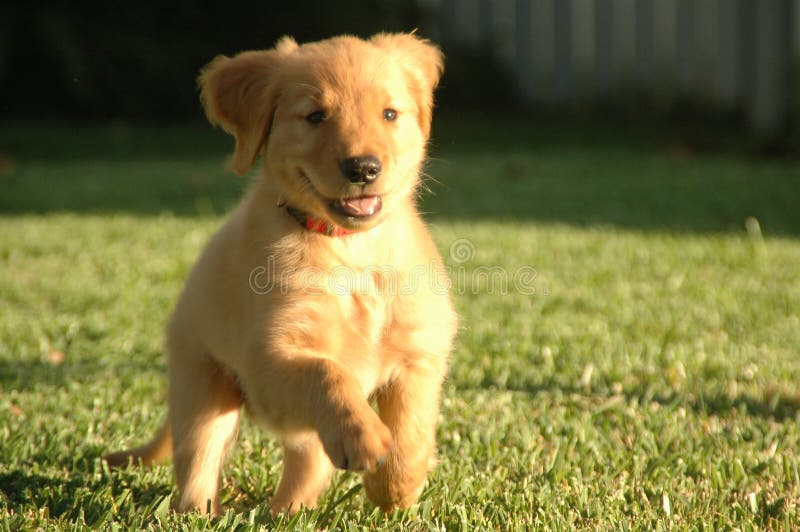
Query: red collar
{"points": [[317, 225]]}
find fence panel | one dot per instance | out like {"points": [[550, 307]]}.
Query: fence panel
{"points": [[737, 54]]}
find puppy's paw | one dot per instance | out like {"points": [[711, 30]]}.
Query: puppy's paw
{"points": [[360, 443]]}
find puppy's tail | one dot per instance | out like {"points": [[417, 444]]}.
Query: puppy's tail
{"points": [[155, 452]]}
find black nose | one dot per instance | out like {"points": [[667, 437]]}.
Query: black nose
{"points": [[364, 169]]}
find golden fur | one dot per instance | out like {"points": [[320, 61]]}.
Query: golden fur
{"points": [[264, 320]]}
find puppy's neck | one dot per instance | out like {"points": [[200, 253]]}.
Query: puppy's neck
{"points": [[313, 224]]}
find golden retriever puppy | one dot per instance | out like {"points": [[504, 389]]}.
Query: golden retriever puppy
{"points": [[323, 293]]}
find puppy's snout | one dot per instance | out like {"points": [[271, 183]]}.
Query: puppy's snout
{"points": [[364, 169]]}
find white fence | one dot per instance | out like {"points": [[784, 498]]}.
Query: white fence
{"points": [[729, 53]]}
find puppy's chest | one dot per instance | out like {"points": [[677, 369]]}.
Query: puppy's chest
{"points": [[361, 304], [343, 310], [345, 315]]}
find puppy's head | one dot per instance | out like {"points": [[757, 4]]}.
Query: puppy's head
{"points": [[342, 123]]}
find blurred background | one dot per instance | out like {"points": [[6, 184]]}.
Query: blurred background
{"points": [[118, 60], [525, 80]]}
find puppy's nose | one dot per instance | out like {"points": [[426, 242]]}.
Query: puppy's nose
{"points": [[364, 169]]}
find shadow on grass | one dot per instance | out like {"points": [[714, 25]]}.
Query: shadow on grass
{"points": [[609, 174], [80, 496], [33, 375], [17, 489], [481, 168], [771, 403]]}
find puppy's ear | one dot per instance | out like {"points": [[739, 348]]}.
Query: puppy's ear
{"points": [[424, 62], [239, 95]]}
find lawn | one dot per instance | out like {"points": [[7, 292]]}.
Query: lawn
{"points": [[644, 373]]}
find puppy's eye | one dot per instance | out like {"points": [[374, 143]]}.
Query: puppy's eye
{"points": [[317, 117], [390, 115]]}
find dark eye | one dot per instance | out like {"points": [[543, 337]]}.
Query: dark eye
{"points": [[390, 115], [317, 117]]}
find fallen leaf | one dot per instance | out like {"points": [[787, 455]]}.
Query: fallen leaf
{"points": [[55, 357]]}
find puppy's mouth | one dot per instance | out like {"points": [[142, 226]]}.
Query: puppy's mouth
{"points": [[361, 207], [348, 211]]}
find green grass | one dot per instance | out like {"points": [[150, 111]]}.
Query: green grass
{"points": [[651, 381]]}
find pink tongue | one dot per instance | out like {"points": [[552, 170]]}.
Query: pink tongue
{"points": [[363, 206]]}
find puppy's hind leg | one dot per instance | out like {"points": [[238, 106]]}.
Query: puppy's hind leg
{"points": [[204, 410], [306, 472], [154, 452]]}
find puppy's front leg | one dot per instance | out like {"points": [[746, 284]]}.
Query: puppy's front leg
{"points": [[307, 391], [410, 407]]}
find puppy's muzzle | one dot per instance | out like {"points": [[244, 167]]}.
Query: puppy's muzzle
{"points": [[361, 170]]}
